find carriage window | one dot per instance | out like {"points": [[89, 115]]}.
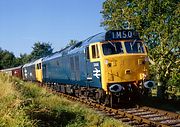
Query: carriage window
{"points": [[95, 51], [112, 48], [134, 47]]}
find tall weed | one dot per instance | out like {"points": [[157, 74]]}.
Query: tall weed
{"points": [[53, 110], [26, 104], [11, 114]]}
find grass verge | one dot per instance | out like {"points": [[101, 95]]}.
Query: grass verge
{"points": [[12, 113], [29, 105]]}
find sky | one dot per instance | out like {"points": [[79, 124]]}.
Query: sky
{"points": [[24, 22]]}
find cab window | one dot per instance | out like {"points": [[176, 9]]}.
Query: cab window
{"points": [[134, 47], [39, 66], [111, 48]]}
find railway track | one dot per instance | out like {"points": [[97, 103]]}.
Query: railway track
{"points": [[139, 116]]}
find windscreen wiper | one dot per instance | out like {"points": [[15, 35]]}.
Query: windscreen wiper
{"points": [[113, 45]]}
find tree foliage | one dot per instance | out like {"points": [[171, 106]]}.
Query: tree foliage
{"points": [[7, 59], [40, 49], [24, 58], [71, 42], [158, 22]]}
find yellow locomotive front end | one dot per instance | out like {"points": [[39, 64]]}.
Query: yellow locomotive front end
{"points": [[124, 71], [124, 63]]}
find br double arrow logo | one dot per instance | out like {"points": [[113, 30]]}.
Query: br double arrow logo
{"points": [[96, 73]]}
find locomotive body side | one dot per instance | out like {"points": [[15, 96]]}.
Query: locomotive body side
{"points": [[52, 68], [28, 72], [70, 67]]}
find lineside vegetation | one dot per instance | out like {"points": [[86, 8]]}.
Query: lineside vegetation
{"points": [[12, 113], [26, 104]]}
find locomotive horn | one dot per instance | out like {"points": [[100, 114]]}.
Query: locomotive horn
{"points": [[149, 84]]}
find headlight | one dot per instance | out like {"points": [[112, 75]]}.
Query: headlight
{"points": [[149, 84], [116, 88]]}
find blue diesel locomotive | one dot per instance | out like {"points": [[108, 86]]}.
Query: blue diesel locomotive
{"points": [[108, 67]]}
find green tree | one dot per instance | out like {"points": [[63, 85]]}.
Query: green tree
{"points": [[7, 59], [71, 42], [1, 58], [40, 49], [157, 21], [23, 59]]}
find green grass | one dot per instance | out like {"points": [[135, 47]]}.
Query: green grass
{"points": [[11, 113], [26, 104]]}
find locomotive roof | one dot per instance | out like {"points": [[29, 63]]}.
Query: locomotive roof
{"points": [[78, 46], [33, 62], [100, 37], [56, 54], [38, 61], [29, 64]]}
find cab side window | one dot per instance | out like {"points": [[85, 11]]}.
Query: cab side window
{"points": [[95, 51], [38, 66]]}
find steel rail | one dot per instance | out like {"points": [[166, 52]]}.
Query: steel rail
{"points": [[132, 116]]}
